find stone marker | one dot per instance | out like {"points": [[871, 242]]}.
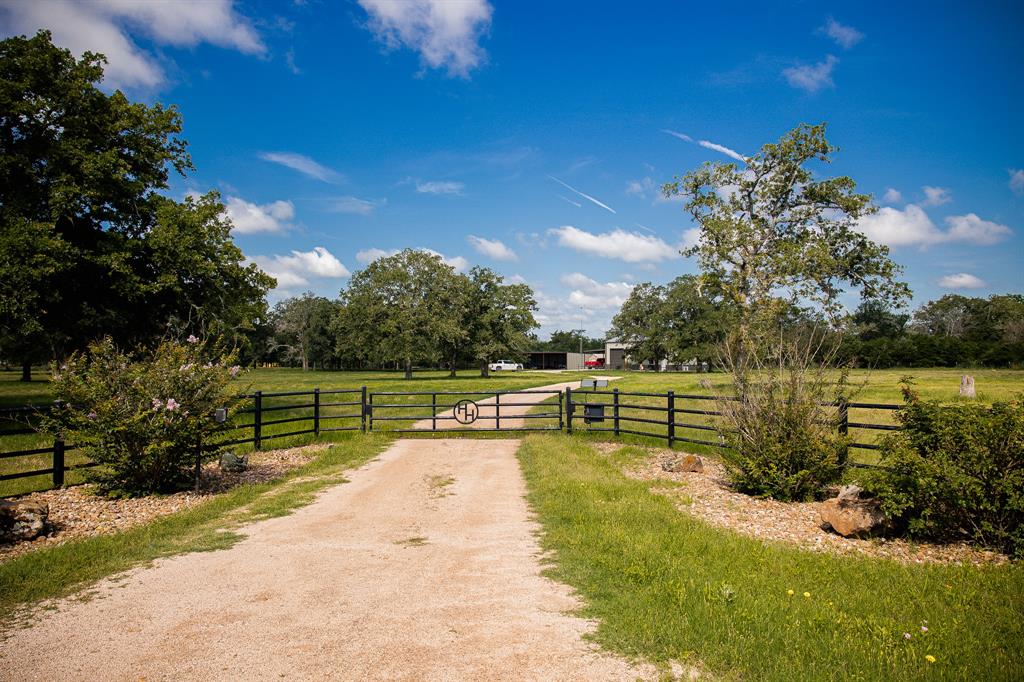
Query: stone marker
{"points": [[232, 463], [967, 387], [22, 520], [686, 463]]}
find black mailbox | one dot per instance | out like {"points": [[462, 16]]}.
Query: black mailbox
{"points": [[593, 413]]}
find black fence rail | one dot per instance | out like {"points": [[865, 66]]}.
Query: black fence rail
{"points": [[261, 417], [685, 417]]}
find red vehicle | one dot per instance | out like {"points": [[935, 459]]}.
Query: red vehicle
{"points": [[594, 363]]}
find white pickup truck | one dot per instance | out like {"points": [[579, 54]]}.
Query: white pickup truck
{"points": [[504, 365]]}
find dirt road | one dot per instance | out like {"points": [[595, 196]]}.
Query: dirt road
{"points": [[424, 566]]}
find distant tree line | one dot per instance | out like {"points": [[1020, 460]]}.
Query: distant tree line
{"points": [[409, 309]]}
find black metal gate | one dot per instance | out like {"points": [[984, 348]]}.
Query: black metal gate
{"points": [[473, 411]]}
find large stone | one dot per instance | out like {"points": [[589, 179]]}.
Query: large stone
{"points": [[232, 463], [22, 520], [850, 516], [686, 463], [967, 387]]}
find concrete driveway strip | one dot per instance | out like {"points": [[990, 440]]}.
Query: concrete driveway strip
{"points": [[425, 566]]}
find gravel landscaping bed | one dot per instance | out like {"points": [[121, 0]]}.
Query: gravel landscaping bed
{"points": [[76, 512], [708, 496]]}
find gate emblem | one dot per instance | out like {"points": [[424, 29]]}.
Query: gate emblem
{"points": [[466, 411]]}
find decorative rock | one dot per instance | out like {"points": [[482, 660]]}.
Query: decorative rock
{"points": [[967, 387], [850, 516], [850, 492], [687, 463], [232, 463], [22, 520]]}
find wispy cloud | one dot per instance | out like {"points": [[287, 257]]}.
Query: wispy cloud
{"points": [[585, 196], [681, 136], [107, 26], [1017, 181], [723, 149], [445, 33], [812, 77], [707, 145], [440, 187], [367, 256], [303, 164], [962, 280], [570, 201], [354, 205], [843, 36], [492, 248], [892, 196], [631, 247]]}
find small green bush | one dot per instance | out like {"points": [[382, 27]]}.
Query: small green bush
{"points": [[956, 472], [141, 418]]}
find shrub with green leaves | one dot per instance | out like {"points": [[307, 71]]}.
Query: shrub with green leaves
{"points": [[956, 472], [142, 417], [781, 429]]}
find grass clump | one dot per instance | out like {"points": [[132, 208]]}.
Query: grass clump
{"points": [[668, 587]]}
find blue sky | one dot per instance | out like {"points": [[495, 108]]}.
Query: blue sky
{"points": [[532, 137]]}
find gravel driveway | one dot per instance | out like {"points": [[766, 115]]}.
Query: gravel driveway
{"points": [[424, 566]]}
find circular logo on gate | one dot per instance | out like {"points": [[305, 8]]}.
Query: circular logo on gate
{"points": [[466, 411]]}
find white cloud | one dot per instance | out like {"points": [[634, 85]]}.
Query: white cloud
{"points": [[440, 187], [354, 205], [250, 218], [892, 196], [295, 270], [691, 237], [844, 36], [811, 77], [516, 279], [912, 226], [724, 150], [592, 294], [961, 280], [492, 248], [1017, 181], [304, 165], [681, 136], [367, 256], [631, 247], [936, 196], [585, 196], [446, 33], [105, 26], [971, 228]]}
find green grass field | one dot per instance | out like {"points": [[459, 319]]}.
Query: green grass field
{"points": [[667, 587]]}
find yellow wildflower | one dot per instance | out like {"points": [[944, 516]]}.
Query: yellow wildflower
{"points": [[789, 592], [807, 594], [929, 658]]}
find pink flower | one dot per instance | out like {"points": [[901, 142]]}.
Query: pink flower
{"points": [[235, 369], [924, 628], [186, 367], [92, 415], [906, 635], [172, 404], [157, 404], [193, 339]]}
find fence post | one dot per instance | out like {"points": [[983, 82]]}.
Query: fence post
{"points": [[316, 412], [257, 423], [58, 463], [433, 411], [844, 426], [362, 410], [615, 409], [369, 412], [671, 419], [497, 411], [561, 407], [568, 410], [199, 460]]}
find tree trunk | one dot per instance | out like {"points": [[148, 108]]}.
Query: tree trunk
{"points": [[26, 371], [451, 371], [485, 371], [305, 364], [408, 368]]}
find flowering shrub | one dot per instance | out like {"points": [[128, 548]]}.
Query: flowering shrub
{"points": [[956, 472], [142, 418]]}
